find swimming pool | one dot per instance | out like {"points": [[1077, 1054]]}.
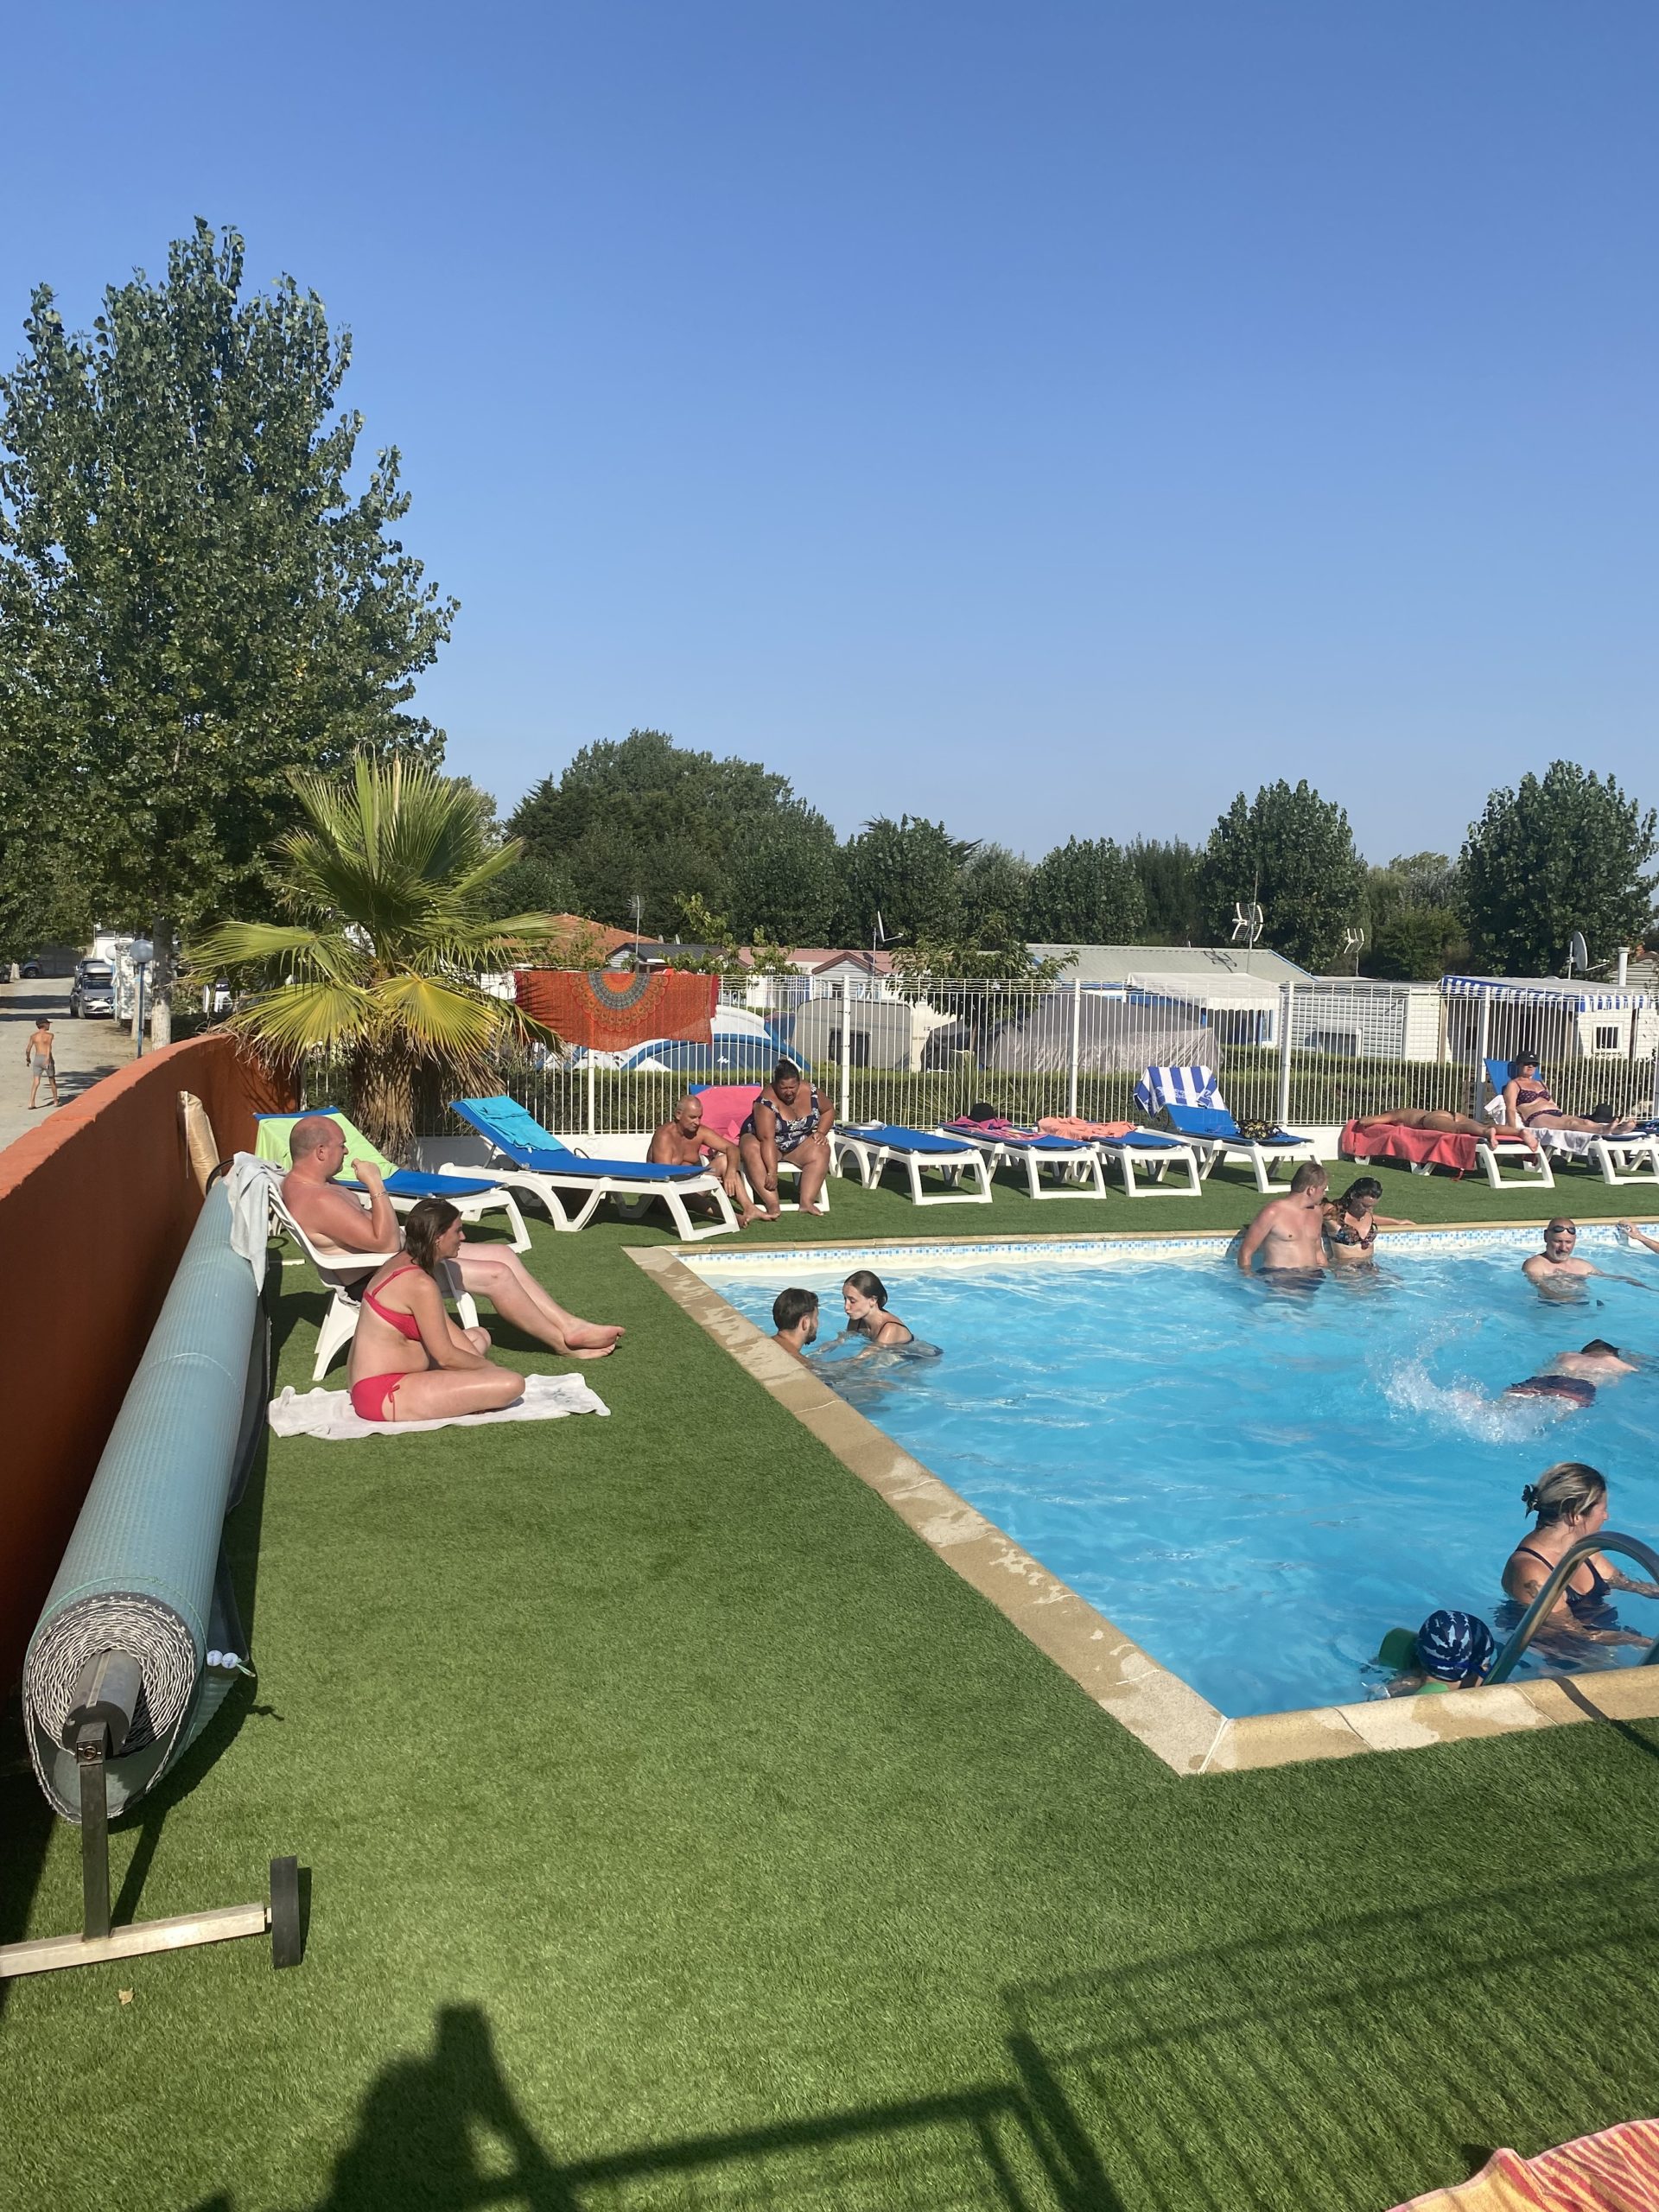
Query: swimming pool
{"points": [[1253, 1481]]}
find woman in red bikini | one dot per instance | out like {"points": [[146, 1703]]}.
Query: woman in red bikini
{"points": [[409, 1361]]}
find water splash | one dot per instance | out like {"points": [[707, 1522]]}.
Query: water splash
{"points": [[1464, 1408]]}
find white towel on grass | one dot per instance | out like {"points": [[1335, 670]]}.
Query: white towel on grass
{"points": [[328, 1413]]}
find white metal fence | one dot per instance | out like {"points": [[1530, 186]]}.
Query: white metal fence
{"points": [[1319, 1054]]}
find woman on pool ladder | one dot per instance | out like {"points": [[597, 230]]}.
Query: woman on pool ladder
{"points": [[1570, 1501]]}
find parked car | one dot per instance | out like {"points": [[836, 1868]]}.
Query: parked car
{"points": [[30, 970], [92, 991]]}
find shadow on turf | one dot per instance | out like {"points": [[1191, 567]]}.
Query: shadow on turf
{"points": [[1354, 2062]]}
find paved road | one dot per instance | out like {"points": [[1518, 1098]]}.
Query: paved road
{"points": [[86, 1052]]}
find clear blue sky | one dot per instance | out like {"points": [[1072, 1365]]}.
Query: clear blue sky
{"points": [[1053, 416]]}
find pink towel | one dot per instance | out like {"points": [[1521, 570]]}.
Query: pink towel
{"points": [[1067, 1125], [726, 1107]]}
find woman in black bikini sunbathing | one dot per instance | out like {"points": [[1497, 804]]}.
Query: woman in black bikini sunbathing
{"points": [[1529, 1104], [1351, 1222], [1571, 1501]]}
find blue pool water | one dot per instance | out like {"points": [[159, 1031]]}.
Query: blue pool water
{"points": [[1254, 1482]]}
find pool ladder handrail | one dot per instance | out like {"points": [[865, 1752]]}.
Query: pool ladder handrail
{"points": [[1606, 1540]]}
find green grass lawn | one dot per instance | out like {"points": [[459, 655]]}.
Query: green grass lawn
{"points": [[685, 1833]]}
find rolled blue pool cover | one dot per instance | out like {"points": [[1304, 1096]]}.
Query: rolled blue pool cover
{"points": [[138, 1574]]}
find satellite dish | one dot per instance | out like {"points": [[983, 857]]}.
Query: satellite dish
{"points": [[1577, 955], [1246, 922]]}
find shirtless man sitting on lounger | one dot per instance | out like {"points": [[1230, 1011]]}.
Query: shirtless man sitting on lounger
{"points": [[1289, 1232], [683, 1142], [335, 1218], [1436, 1118]]}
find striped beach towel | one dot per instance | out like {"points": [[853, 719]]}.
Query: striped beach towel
{"points": [[1615, 2171]]}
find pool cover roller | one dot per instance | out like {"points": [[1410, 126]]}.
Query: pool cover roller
{"points": [[143, 1577]]}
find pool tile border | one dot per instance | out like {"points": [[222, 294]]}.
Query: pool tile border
{"points": [[1161, 1710]]}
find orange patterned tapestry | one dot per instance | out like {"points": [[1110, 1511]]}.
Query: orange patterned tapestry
{"points": [[609, 1010]]}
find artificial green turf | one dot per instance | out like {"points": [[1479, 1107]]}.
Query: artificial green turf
{"points": [[683, 1832]]}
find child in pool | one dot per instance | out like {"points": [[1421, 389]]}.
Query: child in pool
{"points": [[1451, 1651]]}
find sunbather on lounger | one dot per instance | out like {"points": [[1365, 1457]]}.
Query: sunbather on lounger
{"points": [[1434, 1117], [785, 1125], [409, 1361], [683, 1142], [1529, 1104], [335, 1217]]}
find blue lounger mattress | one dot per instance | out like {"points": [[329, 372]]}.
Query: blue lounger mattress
{"points": [[892, 1137]]}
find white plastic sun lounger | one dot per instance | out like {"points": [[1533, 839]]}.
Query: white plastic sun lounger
{"points": [[1617, 1159], [963, 1169], [345, 1273], [572, 1187], [1190, 1102], [1075, 1169]]}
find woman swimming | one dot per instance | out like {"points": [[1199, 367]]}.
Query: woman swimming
{"points": [[409, 1361], [1351, 1222], [1570, 1501]]}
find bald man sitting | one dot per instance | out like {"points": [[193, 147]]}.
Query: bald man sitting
{"points": [[338, 1222], [683, 1142]]}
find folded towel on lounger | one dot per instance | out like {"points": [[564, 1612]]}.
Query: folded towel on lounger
{"points": [[328, 1415]]}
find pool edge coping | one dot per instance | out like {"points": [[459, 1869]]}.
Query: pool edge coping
{"points": [[1159, 1708]]}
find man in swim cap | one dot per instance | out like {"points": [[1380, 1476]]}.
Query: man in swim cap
{"points": [[1289, 1232]]}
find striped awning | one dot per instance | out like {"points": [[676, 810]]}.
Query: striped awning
{"points": [[1568, 995]]}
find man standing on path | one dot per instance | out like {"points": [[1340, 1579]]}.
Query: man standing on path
{"points": [[1289, 1232], [39, 1060]]}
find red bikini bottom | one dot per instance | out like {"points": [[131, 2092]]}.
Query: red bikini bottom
{"points": [[371, 1398]]}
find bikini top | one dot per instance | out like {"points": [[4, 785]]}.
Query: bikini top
{"points": [[1532, 1094], [1345, 1230], [1578, 1601], [405, 1324]]}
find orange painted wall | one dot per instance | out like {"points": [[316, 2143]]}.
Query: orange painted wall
{"points": [[96, 1204]]}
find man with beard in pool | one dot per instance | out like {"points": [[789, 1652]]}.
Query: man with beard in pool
{"points": [[1289, 1232]]}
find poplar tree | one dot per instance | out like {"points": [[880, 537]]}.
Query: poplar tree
{"points": [[194, 601]]}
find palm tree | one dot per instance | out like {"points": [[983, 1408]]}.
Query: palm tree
{"points": [[380, 964]]}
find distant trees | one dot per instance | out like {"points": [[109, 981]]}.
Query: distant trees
{"points": [[193, 600], [646, 818], [1294, 852], [1087, 891], [1169, 886], [1566, 851], [1414, 925]]}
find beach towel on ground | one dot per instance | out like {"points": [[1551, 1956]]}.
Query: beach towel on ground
{"points": [[327, 1413], [1615, 2171]]}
